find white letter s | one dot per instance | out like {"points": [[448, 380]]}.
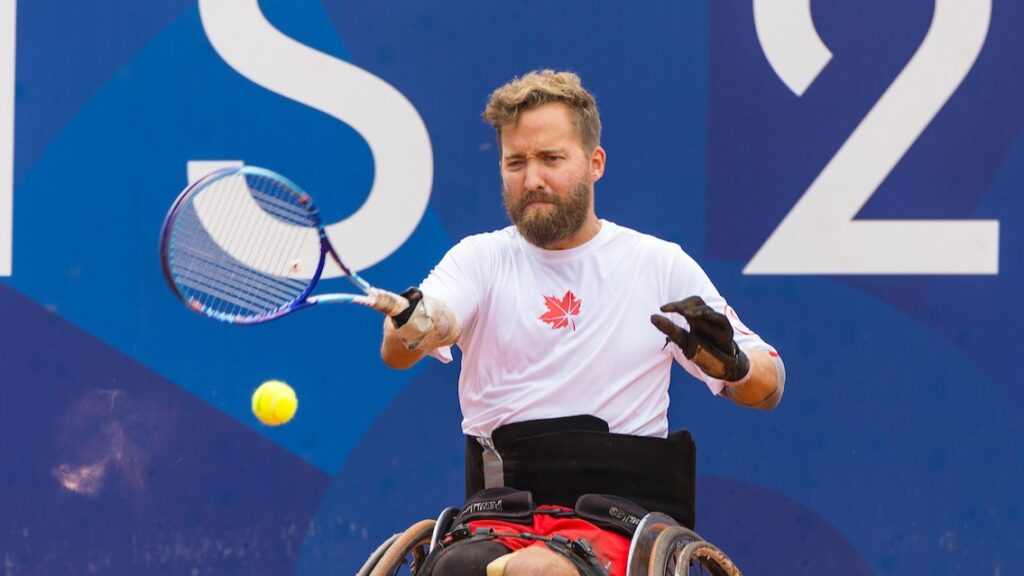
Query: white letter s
{"points": [[393, 130]]}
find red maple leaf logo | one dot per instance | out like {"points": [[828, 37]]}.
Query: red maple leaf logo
{"points": [[560, 312]]}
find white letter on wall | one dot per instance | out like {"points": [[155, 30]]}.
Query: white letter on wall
{"points": [[389, 123], [821, 234], [8, 26]]}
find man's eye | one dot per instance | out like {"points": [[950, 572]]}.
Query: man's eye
{"points": [[552, 159], [514, 164]]}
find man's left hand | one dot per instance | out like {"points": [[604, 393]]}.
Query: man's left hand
{"points": [[709, 342]]}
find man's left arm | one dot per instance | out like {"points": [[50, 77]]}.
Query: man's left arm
{"points": [[763, 389]]}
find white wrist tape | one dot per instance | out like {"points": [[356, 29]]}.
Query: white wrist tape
{"points": [[431, 325]]}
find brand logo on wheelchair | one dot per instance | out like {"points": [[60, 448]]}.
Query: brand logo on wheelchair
{"points": [[624, 516], [486, 506]]}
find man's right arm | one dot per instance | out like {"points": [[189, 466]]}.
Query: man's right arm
{"points": [[395, 354], [426, 325]]}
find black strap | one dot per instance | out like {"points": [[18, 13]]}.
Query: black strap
{"points": [[578, 552], [504, 503], [506, 435], [558, 467]]}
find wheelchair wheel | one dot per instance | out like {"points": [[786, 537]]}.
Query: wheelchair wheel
{"points": [[677, 553], [442, 525], [409, 547], [640, 548], [375, 557]]}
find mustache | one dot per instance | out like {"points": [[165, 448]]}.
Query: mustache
{"points": [[539, 196]]}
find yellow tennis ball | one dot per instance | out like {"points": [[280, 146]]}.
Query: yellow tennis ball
{"points": [[274, 403]]}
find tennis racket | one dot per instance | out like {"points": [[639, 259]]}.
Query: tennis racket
{"points": [[246, 245]]}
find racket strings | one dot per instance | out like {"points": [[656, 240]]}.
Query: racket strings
{"points": [[207, 275], [232, 290], [270, 225], [285, 204], [266, 195], [231, 295], [211, 278], [282, 202]]}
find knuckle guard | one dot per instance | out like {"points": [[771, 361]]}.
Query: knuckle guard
{"points": [[709, 359], [730, 366]]}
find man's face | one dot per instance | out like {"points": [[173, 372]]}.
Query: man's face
{"points": [[548, 178]]}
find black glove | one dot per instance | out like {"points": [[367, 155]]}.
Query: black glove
{"points": [[709, 342], [413, 295]]}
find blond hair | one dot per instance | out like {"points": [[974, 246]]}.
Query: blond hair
{"points": [[542, 87]]}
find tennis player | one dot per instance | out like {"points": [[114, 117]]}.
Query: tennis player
{"points": [[562, 371]]}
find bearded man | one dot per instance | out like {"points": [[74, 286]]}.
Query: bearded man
{"points": [[564, 381]]}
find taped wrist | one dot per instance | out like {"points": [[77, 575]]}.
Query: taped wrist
{"points": [[413, 295], [431, 325]]}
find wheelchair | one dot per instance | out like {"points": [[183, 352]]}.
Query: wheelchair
{"points": [[660, 547], [571, 448]]}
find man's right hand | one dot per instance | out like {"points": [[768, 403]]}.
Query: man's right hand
{"points": [[425, 325]]}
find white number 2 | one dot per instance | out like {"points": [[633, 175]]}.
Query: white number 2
{"points": [[8, 25], [820, 234]]}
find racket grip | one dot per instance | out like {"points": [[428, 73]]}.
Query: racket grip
{"points": [[386, 302]]}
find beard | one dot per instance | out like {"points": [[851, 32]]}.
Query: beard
{"points": [[544, 226]]}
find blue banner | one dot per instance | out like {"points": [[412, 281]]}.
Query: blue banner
{"points": [[848, 174]]}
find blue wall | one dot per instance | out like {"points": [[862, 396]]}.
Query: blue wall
{"points": [[128, 446]]}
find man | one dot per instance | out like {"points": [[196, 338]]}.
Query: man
{"points": [[553, 313]]}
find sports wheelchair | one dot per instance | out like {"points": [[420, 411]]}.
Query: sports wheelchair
{"points": [[560, 459], [660, 547]]}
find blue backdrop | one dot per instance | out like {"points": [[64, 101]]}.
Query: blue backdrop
{"points": [[128, 445]]}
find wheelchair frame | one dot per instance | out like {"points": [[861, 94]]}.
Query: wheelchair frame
{"points": [[660, 547]]}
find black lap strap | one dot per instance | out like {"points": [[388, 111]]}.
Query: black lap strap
{"points": [[578, 552], [506, 435], [560, 459]]}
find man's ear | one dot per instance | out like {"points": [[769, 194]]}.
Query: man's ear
{"points": [[597, 159]]}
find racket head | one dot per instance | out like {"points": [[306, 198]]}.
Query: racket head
{"points": [[243, 245]]}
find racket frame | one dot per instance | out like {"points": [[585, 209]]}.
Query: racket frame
{"points": [[304, 299]]}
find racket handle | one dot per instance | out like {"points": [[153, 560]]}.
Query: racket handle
{"points": [[386, 302]]}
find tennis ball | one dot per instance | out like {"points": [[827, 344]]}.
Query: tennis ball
{"points": [[274, 403]]}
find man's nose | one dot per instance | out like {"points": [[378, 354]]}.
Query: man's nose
{"points": [[534, 180]]}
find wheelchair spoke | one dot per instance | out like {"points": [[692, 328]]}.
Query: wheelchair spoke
{"points": [[679, 551], [409, 548], [699, 559]]}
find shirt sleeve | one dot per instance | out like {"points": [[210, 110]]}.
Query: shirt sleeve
{"points": [[455, 281]]}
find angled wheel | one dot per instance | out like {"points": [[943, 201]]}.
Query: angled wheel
{"points": [[705, 558], [442, 525], [642, 544], [682, 552], [375, 557], [408, 548]]}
